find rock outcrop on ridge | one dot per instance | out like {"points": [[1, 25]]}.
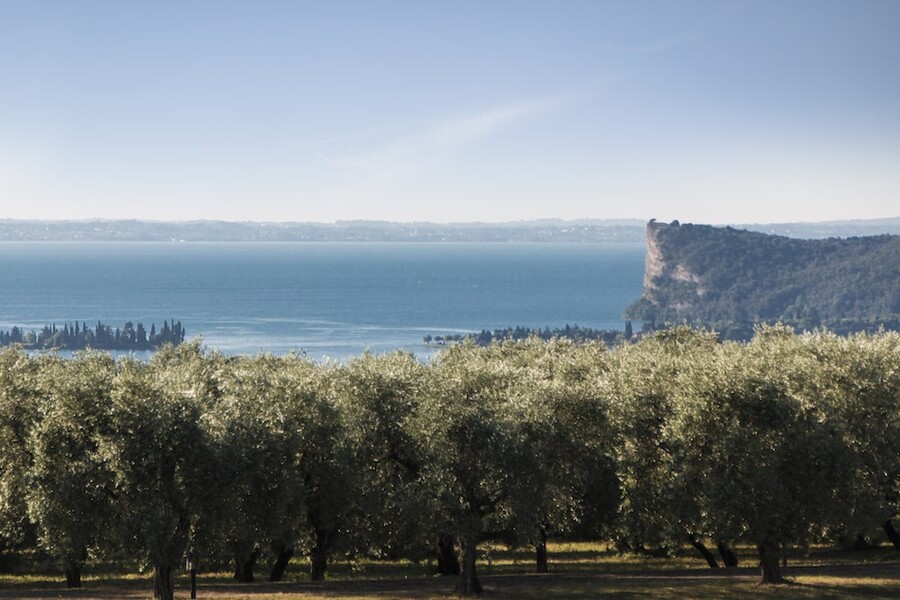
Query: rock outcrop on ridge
{"points": [[714, 275]]}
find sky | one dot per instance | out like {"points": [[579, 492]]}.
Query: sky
{"points": [[450, 111]]}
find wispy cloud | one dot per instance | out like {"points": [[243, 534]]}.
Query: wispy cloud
{"points": [[669, 43], [703, 22], [430, 142]]}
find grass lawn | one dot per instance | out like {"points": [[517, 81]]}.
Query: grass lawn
{"points": [[578, 570]]}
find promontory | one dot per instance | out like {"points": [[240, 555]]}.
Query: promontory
{"points": [[731, 278]]}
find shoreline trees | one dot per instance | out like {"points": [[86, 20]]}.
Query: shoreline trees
{"points": [[786, 441], [79, 336]]}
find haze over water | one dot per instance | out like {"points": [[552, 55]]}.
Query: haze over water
{"points": [[328, 299]]}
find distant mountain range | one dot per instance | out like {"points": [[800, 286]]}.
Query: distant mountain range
{"points": [[546, 230], [827, 229]]}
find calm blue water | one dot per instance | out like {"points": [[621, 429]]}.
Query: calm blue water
{"points": [[329, 299]]}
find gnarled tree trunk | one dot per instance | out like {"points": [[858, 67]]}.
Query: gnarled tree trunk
{"points": [[768, 563], [705, 553], [541, 553], [729, 558], [243, 566], [448, 562], [892, 534], [468, 584], [285, 554], [73, 575], [73, 567], [318, 556], [164, 582]]}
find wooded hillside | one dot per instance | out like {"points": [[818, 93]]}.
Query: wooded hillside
{"points": [[713, 275]]}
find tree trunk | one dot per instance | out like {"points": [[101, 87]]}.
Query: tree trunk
{"points": [[701, 548], [729, 558], [285, 553], [243, 566], [468, 584], [768, 563], [541, 557], [892, 534], [448, 562], [164, 582], [73, 575], [73, 567], [318, 556]]}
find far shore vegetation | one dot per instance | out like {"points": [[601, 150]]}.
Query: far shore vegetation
{"points": [[737, 331], [575, 333], [78, 336]]}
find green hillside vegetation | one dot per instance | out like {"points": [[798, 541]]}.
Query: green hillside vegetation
{"points": [[250, 463], [731, 278]]}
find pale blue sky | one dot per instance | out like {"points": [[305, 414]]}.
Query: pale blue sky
{"points": [[715, 112]]}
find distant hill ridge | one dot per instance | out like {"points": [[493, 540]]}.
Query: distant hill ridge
{"points": [[715, 275], [546, 230], [543, 230]]}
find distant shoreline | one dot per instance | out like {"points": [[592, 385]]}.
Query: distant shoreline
{"points": [[537, 231], [345, 231], [76, 335]]}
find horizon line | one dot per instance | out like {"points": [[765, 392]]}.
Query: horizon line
{"points": [[559, 220]]}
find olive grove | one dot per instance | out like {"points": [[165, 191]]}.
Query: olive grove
{"points": [[245, 463]]}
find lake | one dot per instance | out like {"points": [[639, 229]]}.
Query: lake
{"points": [[328, 299]]}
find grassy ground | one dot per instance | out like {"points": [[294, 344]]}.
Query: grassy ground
{"points": [[578, 571]]}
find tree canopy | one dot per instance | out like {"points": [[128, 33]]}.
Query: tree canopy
{"points": [[679, 438]]}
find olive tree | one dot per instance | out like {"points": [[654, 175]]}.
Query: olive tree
{"points": [[19, 415], [379, 397], [259, 446], [658, 506], [481, 466], [70, 494], [331, 483], [857, 384], [760, 447], [322, 464], [567, 431], [159, 456]]}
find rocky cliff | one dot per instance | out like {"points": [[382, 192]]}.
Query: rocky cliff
{"points": [[706, 274]]}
